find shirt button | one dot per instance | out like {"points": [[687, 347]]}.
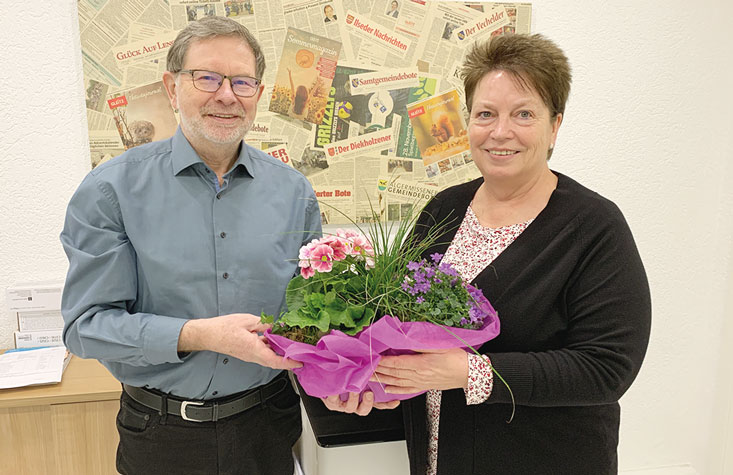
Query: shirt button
{"points": [[215, 393], [223, 234], [218, 196], [225, 275], [225, 360]]}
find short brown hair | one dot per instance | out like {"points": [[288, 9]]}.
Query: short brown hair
{"points": [[533, 60], [211, 27]]}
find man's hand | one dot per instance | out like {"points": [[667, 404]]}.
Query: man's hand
{"points": [[353, 406], [234, 335], [407, 374]]}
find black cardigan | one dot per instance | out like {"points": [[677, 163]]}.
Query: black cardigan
{"points": [[575, 312]]}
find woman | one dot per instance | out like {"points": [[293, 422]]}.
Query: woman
{"points": [[559, 264]]}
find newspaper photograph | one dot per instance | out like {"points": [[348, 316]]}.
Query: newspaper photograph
{"points": [[184, 12], [320, 17], [304, 76], [400, 198], [96, 93], [143, 114]]}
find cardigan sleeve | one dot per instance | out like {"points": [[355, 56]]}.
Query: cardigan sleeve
{"points": [[607, 308]]}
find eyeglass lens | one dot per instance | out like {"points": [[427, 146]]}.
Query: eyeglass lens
{"points": [[209, 81]]}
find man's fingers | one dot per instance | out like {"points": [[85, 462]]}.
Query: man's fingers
{"points": [[352, 403], [269, 358], [365, 406], [387, 405]]}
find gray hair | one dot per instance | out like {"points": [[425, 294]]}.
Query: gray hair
{"points": [[210, 27]]}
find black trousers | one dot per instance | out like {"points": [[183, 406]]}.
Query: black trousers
{"points": [[258, 441]]}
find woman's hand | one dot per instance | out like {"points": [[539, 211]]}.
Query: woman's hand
{"points": [[437, 369], [353, 406]]}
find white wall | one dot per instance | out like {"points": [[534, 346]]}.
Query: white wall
{"points": [[648, 125]]}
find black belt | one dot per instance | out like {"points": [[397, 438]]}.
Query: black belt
{"points": [[208, 411]]}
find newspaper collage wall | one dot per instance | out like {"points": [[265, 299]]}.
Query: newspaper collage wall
{"points": [[363, 98]]}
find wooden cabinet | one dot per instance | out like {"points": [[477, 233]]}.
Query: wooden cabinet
{"points": [[61, 428]]}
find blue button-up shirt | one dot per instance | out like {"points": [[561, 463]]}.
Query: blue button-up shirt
{"points": [[153, 240]]}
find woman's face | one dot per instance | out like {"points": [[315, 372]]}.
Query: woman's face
{"points": [[394, 5], [510, 129], [329, 11]]}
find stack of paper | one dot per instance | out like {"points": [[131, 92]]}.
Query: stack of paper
{"points": [[38, 366]]}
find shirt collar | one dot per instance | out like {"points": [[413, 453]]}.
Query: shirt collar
{"points": [[184, 156]]}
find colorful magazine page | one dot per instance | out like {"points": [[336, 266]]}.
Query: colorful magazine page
{"points": [[439, 127], [349, 115], [143, 114], [304, 76], [344, 111]]}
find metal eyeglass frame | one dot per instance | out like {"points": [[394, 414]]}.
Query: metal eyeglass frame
{"points": [[223, 77]]}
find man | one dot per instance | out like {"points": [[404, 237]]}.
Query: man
{"points": [[175, 248]]}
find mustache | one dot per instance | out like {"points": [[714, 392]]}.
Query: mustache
{"points": [[236, 111]]}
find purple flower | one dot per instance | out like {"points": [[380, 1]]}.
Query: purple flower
{"points": [[419, 276], [423, 287], [475, 314], [419, 300], [430, 272], [406, 286], [436, 257], [413, 266], [448, 269], [464, 321], [438, 280]]}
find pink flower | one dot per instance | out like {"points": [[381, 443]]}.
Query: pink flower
{"points": [[321, 258], [362, 246], [339, 246], [357, 244], [304, 254], [307, 272], [346, 233]]}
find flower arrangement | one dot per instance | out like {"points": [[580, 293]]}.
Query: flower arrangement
{"points": [[329, 294], [359, 298]]}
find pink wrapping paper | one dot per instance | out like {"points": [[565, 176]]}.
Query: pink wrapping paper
{"points": [[340, 364]]}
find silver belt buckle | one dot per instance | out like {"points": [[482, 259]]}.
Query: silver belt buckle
{"points": [[184, 405]]}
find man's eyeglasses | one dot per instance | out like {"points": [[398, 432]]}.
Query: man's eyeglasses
{"points": [[209, 81]]}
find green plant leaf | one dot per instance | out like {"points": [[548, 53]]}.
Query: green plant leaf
{"points": [[316, 300], [297, 288], [342, 318], [303, 319], [367, 318]]}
